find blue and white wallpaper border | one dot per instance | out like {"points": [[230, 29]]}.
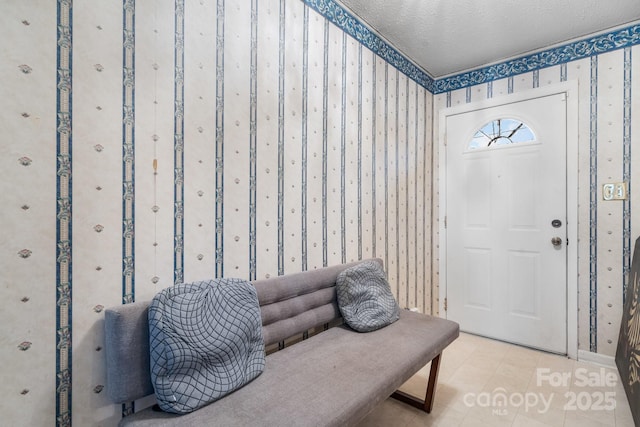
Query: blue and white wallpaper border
{"points": [[339, 16], [614, 40]]}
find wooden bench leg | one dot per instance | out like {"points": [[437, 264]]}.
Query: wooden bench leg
{"points": [[426, 404]]}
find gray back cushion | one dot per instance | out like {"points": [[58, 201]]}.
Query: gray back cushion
{"points": [[297, 302], [127, 351], [364, 297], [206, 341]]}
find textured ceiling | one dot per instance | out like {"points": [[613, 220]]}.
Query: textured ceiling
{"points": [[445, 37]]}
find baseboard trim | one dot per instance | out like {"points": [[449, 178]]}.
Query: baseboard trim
{"points": [[597, 358]]}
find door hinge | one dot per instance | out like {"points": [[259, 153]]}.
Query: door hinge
{"points": [[445, 221], [445, 304]]}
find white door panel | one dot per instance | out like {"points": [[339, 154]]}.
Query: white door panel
{"points": [[524, 289], [504, 277], [478, 272]]}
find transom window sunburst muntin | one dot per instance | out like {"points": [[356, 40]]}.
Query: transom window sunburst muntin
{"points": [[501, 132]]}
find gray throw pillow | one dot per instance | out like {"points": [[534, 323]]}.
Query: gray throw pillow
{"points": [[364, 297], [206, 341]]}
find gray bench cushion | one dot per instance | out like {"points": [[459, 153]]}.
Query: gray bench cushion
{"points": [[332, 379], [205, 341]]}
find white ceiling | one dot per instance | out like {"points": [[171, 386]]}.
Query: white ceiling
{"points": [[445, 37]]}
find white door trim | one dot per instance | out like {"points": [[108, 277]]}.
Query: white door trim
{"points": [[570, 88]]}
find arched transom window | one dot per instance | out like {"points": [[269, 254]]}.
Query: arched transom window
{"points": [[501, 132]]}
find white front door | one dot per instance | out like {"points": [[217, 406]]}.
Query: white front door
{"points": [[506, 215]]}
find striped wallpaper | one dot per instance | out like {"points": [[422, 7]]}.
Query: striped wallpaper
{"points": [[243, 139]]}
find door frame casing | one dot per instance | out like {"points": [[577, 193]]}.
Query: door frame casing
{"points": [[570, 89]]}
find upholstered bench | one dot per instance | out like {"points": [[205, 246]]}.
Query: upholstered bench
{"points": [[318, 371]]}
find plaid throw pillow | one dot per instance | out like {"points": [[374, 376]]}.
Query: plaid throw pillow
{"points": [[364, 297], [206, 341]]}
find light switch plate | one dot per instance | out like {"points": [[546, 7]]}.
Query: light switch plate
{"points": [[614, 191]]}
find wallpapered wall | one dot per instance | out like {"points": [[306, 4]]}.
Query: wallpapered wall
{"points": [[149, 143], [609, 104], [154, 142]]}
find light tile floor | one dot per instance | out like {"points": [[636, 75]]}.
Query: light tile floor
{"points": [[488, 383]]}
